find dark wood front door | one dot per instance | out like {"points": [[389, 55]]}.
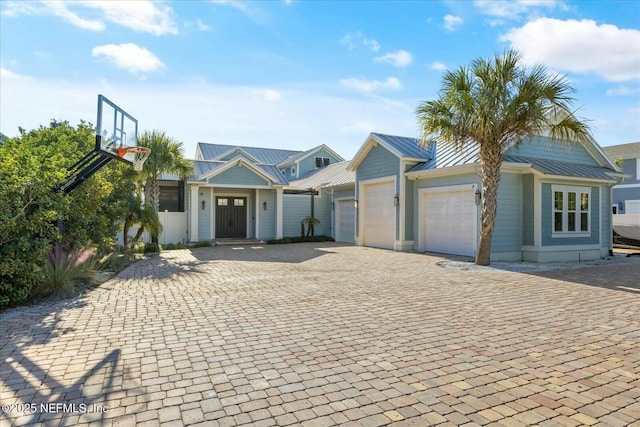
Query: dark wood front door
{"points": [[231, 217]]}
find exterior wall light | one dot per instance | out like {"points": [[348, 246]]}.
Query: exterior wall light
{"points": [[478, 197], [203, 203], [264, 205], [396, 201], [355, 203]]}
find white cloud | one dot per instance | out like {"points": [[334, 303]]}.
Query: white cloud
{"points": [[512, 9], [130, 57], [401, 58], [271, 95], [370, 86], [437, 65], [202, 26], [8, 74], [356, 39], [623, 91], [579, 46], [452, 22], [142, 15]]}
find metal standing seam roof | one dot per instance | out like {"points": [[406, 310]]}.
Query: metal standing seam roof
{"points": [[329, 176], [406, 146], [202, 167], [448, 155], [553, 167], [265, 156]]}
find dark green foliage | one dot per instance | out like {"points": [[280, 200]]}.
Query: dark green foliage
{"points": [[32, 165], [205, 244], [152, 248]]}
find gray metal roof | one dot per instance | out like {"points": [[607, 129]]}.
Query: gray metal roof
{"points": [[447, 155], [330, 176], [406, 146], [267, 156], [553, 167], [623, 151]]}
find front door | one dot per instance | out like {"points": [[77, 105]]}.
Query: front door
{"points": [[231, 217]]}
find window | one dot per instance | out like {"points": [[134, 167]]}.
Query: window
{"points": [[238, 202], [293, 171], [222, 201], [171, 196], [571, 210], [322, 162]]}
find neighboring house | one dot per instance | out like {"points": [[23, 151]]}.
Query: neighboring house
{"points": [[626, 196], [258, 193], [553, 199]]}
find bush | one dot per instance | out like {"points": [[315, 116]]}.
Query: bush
{"points": [[63, 271], [205, 244], [151, 248]]}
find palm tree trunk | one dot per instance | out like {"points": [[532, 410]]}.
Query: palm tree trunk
{"points": [[490, 162]]}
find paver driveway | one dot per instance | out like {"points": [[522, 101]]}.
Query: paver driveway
{"points": [[322, 334]]}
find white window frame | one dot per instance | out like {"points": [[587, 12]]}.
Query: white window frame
{"points": [[565, 190], [293, 171]]}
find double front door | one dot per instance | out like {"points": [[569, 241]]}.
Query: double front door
{"points": [[231, 217]]}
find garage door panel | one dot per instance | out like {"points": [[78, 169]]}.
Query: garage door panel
{"points": [[379, 215], [449, 223], [345, 220]]}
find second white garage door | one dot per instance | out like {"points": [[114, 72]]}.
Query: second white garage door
{"points": [[378, 215], [345, 220], [448, 222]]}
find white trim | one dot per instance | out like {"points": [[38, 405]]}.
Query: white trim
{"points": [[257, 213], [361, 205], [279, 213], [620, 186], [438, 172], [313, 151], [565, 190], [193, 213], [248, 187], [232, 163], [560, 248], [422, 199]]}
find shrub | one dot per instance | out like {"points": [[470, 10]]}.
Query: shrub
{"points": [[205, 244], [63, 271], [150, 248], [286, 240]]}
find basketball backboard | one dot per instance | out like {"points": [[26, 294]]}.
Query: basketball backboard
{"points": [[115, 128]]}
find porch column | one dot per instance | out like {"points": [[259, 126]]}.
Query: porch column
{"points": [[193, 214], [279, 213]]}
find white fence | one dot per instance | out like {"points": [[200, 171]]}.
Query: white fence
{"points": [[174, 229]]}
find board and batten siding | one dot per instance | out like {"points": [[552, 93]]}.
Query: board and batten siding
{"points": [[409, 207], [528, 210], [297, 207], [541, 147], [379, 162], [238, 175], [547, 218], [606, 239]]}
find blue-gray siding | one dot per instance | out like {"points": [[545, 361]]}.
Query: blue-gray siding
{"points": [[266, 218], [409, 208], [298, 207], [204, 216], [528, 198], [541, 147], [507, 235], [308, 164], [547, 220], [606, 239], [238, 175], [629, 166]]}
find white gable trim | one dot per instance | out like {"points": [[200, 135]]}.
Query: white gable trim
{"points": [[239, 150], [371, 142], [237, 162], [310, 153]]}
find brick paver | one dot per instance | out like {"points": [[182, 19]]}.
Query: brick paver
{"points": [[324, 334]]}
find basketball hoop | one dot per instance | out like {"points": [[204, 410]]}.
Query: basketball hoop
{"points": [[135, 155]]}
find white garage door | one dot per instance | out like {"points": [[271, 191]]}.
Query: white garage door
{"points": [[345, 221], [632, 207], [379, 216], [448, 222]]}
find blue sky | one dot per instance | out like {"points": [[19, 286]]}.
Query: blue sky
{"points": [[296, 74]]}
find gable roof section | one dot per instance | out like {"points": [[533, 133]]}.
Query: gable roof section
{"points": [[207, 169], [329, 176], [401, 146], [623, 151], [265, 156], [302, 155], [552, 167]]}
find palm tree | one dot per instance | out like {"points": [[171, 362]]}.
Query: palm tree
{"points": [[166, 157], [143, 214], [496, 103]]}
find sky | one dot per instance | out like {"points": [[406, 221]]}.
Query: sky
{"points": [[294, 74]]}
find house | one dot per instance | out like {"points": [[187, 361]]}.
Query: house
{"points": [[553, 201], [626, 196], [239, 192]]}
